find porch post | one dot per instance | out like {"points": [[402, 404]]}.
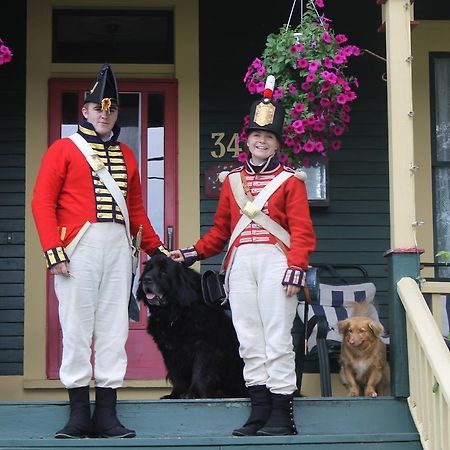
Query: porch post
{"points": [[403, 255]]}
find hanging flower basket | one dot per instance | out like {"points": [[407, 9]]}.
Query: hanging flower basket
{"points": [[308, 63], [5, 53]]}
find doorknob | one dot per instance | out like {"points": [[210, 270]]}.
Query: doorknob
{"points": [[170, 237]]}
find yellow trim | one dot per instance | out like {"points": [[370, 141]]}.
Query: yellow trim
{"points": [[87, 131], [184, 69]]}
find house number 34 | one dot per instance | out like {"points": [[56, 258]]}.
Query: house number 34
{"points": [[224, 147]]}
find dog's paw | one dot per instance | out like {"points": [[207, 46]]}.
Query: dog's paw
{"points": [[353, 392], [370, 392]]}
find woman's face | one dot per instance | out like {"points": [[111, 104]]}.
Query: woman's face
{"points": [[262, 145]]}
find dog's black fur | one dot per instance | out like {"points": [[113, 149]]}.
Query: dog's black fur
{"points": [[198, 343]]}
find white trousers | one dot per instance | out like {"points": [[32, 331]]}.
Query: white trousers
{"points": [[263, 317], [93, 308]]}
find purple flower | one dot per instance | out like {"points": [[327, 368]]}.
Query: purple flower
{"points": [[326, 37], [313, 44], [260, 87]]}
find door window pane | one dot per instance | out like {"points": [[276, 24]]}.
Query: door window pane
{"points": [[155, 162]]}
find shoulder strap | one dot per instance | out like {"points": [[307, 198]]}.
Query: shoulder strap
{"points": [[97, 165], [252, 209]]}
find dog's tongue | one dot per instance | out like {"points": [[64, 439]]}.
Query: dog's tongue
{"points": [[150, 295]]}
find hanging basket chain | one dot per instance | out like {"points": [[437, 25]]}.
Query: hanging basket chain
{"points": [[301, 13]]}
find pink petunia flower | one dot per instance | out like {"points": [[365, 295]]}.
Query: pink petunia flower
{"points": [[338, 130], [305, 86], [340, 38], [309, 146], [261, 71], [278, 93], [350, 95], [257, 63], [311, 77], [325, 101], [311, 97], [292, 89], [335, 145], [341, 99], [299, 107], [242, 157], [283, 157], [302, 63], [319, 3], [356, 50], [260, 87], [319, 146], [327, 62], [338, 59], [297, 148], [326, 37], [313, 66], [298, 47]]}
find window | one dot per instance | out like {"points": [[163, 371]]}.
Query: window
{"points": [[113, 36], [440, 137]]}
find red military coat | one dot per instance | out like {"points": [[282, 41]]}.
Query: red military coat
{"points": [[64, 198], [288, 206]]}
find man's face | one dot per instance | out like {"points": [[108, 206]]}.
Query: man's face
{"points": [[103, 121]]}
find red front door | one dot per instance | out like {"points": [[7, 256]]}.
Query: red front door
{"points": [[148, 121]]}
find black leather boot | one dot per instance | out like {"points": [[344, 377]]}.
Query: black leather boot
{"points": [[79, 424], [106, 423], [281, 420], [261, 406]]}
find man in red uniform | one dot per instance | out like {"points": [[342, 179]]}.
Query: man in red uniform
{"points": [[85, 222], [263, 214]]}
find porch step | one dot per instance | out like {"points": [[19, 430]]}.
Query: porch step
{"points": [[323, 423]]}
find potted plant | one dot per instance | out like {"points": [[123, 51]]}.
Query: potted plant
{"points": [[308, 62]]}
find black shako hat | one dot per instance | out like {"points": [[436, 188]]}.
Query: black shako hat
{"points": [[267, 114], [104, 92]]}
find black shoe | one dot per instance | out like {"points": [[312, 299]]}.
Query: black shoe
{"points": [[281, 420], [261, 406], [106, 423], [79, 424]]}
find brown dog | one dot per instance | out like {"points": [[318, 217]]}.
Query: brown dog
{"points": [[364, 368]]}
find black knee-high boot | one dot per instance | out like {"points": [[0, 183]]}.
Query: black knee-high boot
{"points": [[79, 424], [260, 412], [106, 423], [281, 420]]}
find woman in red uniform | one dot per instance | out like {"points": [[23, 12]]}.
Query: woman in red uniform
{"points": [[87, 247], [270, 241]]}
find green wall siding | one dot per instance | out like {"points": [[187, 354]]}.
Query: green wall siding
{"points": [[12, 189]]}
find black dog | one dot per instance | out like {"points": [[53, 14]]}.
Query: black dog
{"points": [[198, 343]]}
